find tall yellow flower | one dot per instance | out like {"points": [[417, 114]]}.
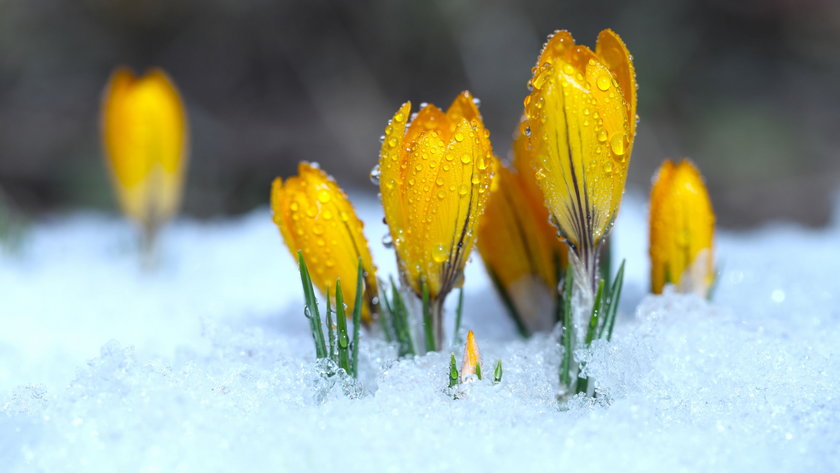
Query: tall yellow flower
{"points": [[315, 217], [435, 177], [682, 225], [145, 135], [519, 246], [581, 118]]}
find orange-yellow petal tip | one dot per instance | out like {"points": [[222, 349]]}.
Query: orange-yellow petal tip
{"points": [[472, 358]]}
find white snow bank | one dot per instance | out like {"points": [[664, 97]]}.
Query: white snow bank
{"points": [[207, 364]]}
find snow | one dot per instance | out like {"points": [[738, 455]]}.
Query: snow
{"points": [[207, 364]]}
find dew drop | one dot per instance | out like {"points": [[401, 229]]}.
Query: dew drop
{"points": [[466, 159], [439, 254], [602, 136], [374, 175], [381, 139], [392, 142], [294, 206], [603, 82], [617, 144], [323, 196], [387, 241], [459, 137], [463, 190]]}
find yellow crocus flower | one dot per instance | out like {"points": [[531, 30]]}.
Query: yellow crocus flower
{"points": [[434, 176], [581, 119], [145, 135], [315, 217], [519, 246], [682, 225]]}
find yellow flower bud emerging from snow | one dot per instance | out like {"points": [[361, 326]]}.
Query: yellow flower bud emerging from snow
{"points": [[472, 358], [581, 120], [434, 176], [682, 225], [144, 133], [520, 247], [315, 217]]}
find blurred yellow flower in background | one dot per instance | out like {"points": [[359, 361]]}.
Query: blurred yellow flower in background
{"points": [[315, 217], [682, 224], [145, 136], [581, 120], [519, 247], [435, 175]]}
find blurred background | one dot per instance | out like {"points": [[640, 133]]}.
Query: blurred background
{"points": [[750, 89]]}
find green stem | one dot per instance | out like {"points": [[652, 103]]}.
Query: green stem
{"points": [[429, 328], [568, 330]]}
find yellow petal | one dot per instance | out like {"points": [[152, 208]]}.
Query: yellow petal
{"points": [[681, 230], [434, 179], [144, 132], [315, 217], [580, 136], [472, 358], [615, 55], [521, 250]]}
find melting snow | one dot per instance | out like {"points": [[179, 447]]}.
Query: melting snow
{"points": [[207, 364]]}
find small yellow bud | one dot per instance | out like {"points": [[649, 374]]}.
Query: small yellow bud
{"points": [[472, 358], [145, 135], [315, 217], [682, 225]]}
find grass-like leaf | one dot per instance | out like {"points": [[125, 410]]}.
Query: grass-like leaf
{"points": [[341, 321], [428, 325], [497, 372], [453, 371], [459, 310], [357, 320], [330, 329], [400, 318], [612, 304], [311, 309]]}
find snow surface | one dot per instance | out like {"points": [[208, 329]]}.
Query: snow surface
{"points": [[207, 364]]}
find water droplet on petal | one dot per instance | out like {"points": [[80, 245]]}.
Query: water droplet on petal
{"points": [[603, 82], [374, 175], [617, 144], [439, 254], [387, 241], [602, 136]]}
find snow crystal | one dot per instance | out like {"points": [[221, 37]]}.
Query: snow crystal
{"points": [[207, 364]]}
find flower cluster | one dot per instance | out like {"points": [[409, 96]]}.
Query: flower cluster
{"points": [[539, 221]]}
